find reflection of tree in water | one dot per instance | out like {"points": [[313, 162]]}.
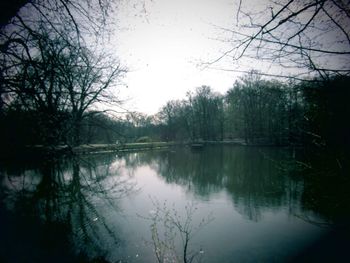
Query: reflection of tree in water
{"points": [[133, 160], [259, 182], [326, 184], [250, 176], [199, 172], [59, 209], [258, 179]]}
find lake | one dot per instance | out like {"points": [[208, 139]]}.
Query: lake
{"points": [[230, 203]]}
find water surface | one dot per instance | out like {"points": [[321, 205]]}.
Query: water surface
{"points": [[97, 208]]}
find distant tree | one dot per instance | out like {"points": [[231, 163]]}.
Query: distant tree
{"points": [[136, 125], [173, 115], [201, 116], [257, 110], [295, 112], [207, 113]]}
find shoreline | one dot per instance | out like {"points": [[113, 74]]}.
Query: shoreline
{"points": [[41, 150]]}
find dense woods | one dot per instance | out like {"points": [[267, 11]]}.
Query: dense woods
{"points": [[254, 110]]}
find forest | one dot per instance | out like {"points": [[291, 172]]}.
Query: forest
{"points": [[254, 110]]}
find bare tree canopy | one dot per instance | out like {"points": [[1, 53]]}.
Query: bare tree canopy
{"points": [[51, 64], [303, 37], [85, 14]]}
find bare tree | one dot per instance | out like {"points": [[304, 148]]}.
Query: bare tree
{"points": [[167, 224], [88, 80], [307, 38], [61, 79], [22, 22], [49, 67], [83, 15]]}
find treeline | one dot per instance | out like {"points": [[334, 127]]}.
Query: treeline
{"points": [[263, 112], [254, 110], [311, 114], [28, 128]]}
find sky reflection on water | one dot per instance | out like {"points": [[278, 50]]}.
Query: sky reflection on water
{"points": [[93, 207]]}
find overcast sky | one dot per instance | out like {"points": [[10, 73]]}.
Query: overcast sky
{"points": [[163, 41]]}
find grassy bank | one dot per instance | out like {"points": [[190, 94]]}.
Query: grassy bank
{"points": [[40, 150], [127, 147]]}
